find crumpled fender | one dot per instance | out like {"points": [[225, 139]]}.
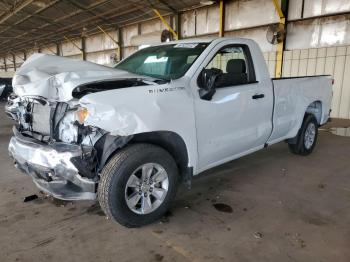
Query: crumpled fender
{"points": [[141, 109]]}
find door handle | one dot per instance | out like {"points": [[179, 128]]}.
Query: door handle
{"points": [[258, 96]]}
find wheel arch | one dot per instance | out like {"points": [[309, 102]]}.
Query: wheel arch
{"points": [[172, 142], [315, 108]]}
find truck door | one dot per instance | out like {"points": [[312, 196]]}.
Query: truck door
{"points": [[237, 119]]}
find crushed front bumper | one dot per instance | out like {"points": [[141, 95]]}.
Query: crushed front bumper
{"points": [[51, 167]]}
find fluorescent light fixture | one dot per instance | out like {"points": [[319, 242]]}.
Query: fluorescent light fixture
{"points": [[207, 2]]}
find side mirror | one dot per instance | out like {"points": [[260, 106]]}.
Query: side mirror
{"points": [[206, 82]]}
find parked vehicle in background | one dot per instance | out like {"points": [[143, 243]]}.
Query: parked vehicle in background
{"points": [[127, 135], [5, 88]]}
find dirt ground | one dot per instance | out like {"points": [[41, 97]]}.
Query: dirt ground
{"points": [[268, 206]]}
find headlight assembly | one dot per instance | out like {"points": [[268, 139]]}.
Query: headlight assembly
{"points": [[81, 114]]}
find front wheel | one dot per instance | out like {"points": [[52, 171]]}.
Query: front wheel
{"points": [[138, 184], [307, 136]]}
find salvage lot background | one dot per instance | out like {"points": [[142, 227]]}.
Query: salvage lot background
{"points": [[317, 39], [269, 206]]}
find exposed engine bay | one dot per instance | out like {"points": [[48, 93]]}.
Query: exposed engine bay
{"points": [[51, 121], [61, 147]]}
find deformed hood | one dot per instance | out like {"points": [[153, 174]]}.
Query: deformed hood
{"points": [[55, 77]]}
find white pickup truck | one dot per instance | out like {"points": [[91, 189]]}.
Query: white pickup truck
{"points": [[127, 135]]}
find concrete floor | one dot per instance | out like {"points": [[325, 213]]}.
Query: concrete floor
{"points": [[284, 208]]}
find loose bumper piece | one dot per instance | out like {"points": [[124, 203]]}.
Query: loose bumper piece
{"points": [[51, 167]]}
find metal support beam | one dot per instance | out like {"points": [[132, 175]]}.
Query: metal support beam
{"points": [[55, 35], [22, 58], [83, 47], [14, 61], [112, 38], [57, 49], [176, 37], [15, 11], [107, 34], [178, 25], [222, 18], [280, 46], [74, 44], [278, 8], [120, 38], [5, 64], [51, 50]]}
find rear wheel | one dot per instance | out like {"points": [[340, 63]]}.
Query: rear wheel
{"points": [[138, 184], [307, 136]]}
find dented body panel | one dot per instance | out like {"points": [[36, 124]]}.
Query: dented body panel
{"points": [[59, 101], [55, 77], [154, 108]]}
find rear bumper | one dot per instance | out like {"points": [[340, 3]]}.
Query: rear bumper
{"points": [[51, 167]]}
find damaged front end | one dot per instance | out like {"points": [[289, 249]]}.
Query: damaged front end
{"points": [[53, 146]]}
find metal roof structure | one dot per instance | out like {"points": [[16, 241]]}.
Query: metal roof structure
{"points": [[26, 24]]}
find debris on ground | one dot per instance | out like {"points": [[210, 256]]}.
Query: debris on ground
{"points": [[158, 257], [299, 240], [30, 198], [258, 235], [322, 186], [284, 171], [165, 218], [223, 207]]}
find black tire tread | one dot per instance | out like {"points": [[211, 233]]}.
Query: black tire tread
{"points": [[107, 174], [298, 148]]}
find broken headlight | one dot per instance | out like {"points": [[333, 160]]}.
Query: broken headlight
{"points": [[81, 114]]}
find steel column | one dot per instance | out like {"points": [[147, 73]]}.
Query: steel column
{"points": [[112, 38], [14, 61], [74, 44], [83, 47], [5, 64], [120, 40], [57, 49], [280, 46], [222, 18], [176, 37]]}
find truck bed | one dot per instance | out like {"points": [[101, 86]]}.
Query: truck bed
{"points": [[293, 96]]}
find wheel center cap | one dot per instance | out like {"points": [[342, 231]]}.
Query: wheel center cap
{"points": [[145, 188]]}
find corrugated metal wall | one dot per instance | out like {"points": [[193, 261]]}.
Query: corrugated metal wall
{"points": [[334, 61]]}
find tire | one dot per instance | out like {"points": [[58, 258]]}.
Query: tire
{"points": [[117, 184], [304, 146]]}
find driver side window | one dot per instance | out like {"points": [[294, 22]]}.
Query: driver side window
{"points": [[234, 65]]}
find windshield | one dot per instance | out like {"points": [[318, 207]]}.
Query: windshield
{"points": [[165, 62]]}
